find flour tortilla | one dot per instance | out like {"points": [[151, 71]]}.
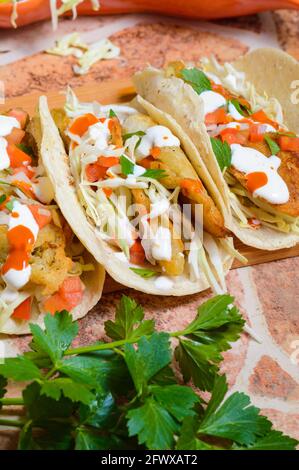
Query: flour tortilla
{"points": [[272, 72], [55, 160]]}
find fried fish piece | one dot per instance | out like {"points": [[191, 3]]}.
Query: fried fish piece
{"points": [[288, 170]]}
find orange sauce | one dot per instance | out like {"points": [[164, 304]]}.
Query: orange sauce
{"points": [[21, 240], [256, 180]]}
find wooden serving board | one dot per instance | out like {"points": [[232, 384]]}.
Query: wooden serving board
{"points": [[118, 91]]}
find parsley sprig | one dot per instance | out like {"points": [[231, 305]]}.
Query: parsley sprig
{"points": [[125, 394]]}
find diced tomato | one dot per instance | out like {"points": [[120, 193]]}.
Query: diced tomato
{"points": [[137, 255], [41, 215], [55, 303], [16, 136], [25, 188], [107, 162], [256, 180], [261, 116], [82, 123], [107, 191], [95, 172], [146, 162], [71, 291], [102, 119], [233, 136], [188, 184], [155, 152], [254, 134], [23, 311], [219, 116], [20, 115], [221, 90], [288, 143], [17, 157], [24, 169]]}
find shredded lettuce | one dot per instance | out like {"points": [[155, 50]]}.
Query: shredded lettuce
{"points": [[70, 44], [103, 49]]}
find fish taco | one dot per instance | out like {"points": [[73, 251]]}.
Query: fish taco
{"points": [[44, 268], [242, 121], [121, 178]]}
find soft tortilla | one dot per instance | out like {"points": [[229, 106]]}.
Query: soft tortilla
{"points": [[275, 79], [55, 161]]}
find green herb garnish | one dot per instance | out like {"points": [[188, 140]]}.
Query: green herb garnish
{"points": [[130, 134], [127, 167], [222, 152], [3, 198], [197, 79], [9, 205], [273, 146], [154, 173], [241, 108], [112, 114], [26, 149], [146, 273], [125, 394]]}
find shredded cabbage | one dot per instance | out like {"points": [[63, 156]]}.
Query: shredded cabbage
{"points": [[70, 44], [103, 49]]}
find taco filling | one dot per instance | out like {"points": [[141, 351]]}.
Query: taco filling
{"points": [[41, 262], [132, 178], [255, 151]]}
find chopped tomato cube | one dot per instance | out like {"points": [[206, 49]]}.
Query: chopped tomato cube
{"points": [[16, 136], [107, 191], [146, 162], [17, 157], [54, 304], [20, 115], [82, 123], [23, 169], [155, 152], [254, 134], [71, 291], [288, 143], [95, 172], [233, 136], [137, 255], [219, 116], [107, 162], [23, 311], [41, 215]]}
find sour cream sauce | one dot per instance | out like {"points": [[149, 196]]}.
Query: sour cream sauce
{"points": [[156, 136]]}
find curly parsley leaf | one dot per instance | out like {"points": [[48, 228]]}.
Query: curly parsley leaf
{"points": [[57, 337], [273, 146], [19, 369], [222, 153], [197, 79], [153, 425], [129, 323]]}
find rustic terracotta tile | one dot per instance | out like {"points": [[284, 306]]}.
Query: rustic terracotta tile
{"points": [[276, 286], [287, 24], [140, 45], [269, 380], [285, 422]]}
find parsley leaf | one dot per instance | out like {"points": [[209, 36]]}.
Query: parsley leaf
{"points": [[197, 79], [70, 389], [146, 273], [127, 167], [273, 440], [20, 369], [273, 146], [178, 400], [154, 173], [88, 440], [236, 419], [129, 323], [152, 355], [153, 425], [57, 337], [25, 149], [222, 152], [188, 439], [9, 205], [2, 198]]}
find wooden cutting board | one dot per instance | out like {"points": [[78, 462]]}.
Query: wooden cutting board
{"points": [[118, 91]]}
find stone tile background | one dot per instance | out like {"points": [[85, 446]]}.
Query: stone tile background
{"points": [[267, 294]]}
